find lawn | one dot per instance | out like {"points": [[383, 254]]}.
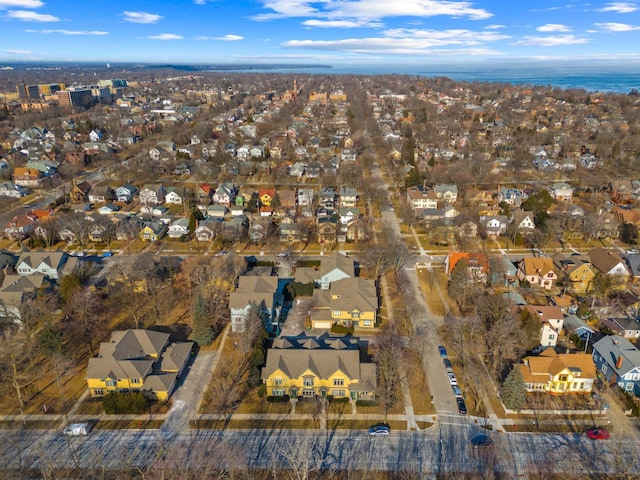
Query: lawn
{"points": [[427, 279], [128, 424], [420, 395], [254, 424]]}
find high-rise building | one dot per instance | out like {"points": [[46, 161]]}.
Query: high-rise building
{"points": [[75, 97]]}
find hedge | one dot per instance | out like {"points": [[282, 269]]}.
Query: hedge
{"points": [[278, 398], [366, 403], [123, 403]]}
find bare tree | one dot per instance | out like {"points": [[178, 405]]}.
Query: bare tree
{"points": [[389, 358]]}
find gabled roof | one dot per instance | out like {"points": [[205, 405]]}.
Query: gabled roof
{"points": [[336, 261], [34, 259], [536, 265], [542, 368], [614, 346], [604, 260], [356, 293]]}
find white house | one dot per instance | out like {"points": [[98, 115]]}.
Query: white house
{"points": [[179, 228], [44, 263], [561, 191], [551, 322]]}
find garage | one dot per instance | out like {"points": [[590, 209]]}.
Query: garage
{"points": [[322, 324]]}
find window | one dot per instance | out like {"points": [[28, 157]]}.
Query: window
{"points": [[98, 392], [110, 383], [136, 381], [366, 323], [336, 313], [628, 386], [563, 378], [277, 381], [604, 369], [338, 393], [552, 336], [636, 376], [308, 393], [338, 382], [278, 392], [355, 314], [308, 382]]}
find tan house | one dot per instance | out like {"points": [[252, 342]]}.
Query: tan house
{"points": [[348, 302], [324, 366], [538, 271], [138, 361], [578, 270]]}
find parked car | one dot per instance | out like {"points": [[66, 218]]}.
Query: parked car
{"points": [[462, 407], [282, 254], [443, 351], [481, 440], [76, 429], [379, 429], [456, 391], [598, 434], [452, 379], [448, 365], [632, 251]]}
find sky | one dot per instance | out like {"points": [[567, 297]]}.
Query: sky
{"points": [[329, 32]]}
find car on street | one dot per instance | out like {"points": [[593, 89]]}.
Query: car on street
{"points": [[462, 407], [443, 351], [632, 251], [452, 379], [379, 429], [481, 440], [598, 434], [76, 429], [282, 254], [447, 365], [456, 391]]}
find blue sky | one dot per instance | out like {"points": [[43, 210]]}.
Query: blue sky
{"points": [[334, 32]]}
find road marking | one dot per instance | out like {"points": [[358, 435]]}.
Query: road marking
{"points": [[454, 423]]}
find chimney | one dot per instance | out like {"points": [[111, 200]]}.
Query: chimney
{"points": [[619, 362]]}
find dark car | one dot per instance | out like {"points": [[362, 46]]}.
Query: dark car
{"points": [[481, 440], [443, 351], [379, 429], [448, 365], [456, 391], [598, 434], [462, 407]]}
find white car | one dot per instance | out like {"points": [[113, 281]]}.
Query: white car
{"points": [[452, 379], [282, 254], [76, 429]]}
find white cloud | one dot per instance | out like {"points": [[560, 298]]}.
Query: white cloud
{"points": [[165, 36], [227, 38], [141, 17], [619, 7], [69, 32], [27, 16], [553, 27], [617, 27], [409, 42], [20, 4], [368, 10], [494, 27], [551, 41], [18, 52], [341, 23]]}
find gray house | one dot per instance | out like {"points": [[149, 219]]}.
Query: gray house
{"points": [[619, 362]]}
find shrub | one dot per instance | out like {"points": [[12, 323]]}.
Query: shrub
{"points": [[339, 400], [278, 398], [366, 403], [122, 403], [337, 328], [262, 391]]}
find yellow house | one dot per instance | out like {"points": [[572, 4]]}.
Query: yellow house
{"points": [[266, 196], [153, 231], [349, 301], [559, 374], [322, 366], [138, 361], [578, 269]]}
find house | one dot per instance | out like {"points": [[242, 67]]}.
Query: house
{"points": [[524, 221], [178, 228], [266, 196], [49, 264], [20, 227], [609, 263], [348, 197], [208, 230], [494, 225], [559, 374], [574, 325], [152, 231], [503, 272], [348, 155], [468, 229], [538, 271], [291, 231], [318, 367], [27, 177], [225, 194], [235, 229], [348, 302], [347, 214], [126, 192], [327, 229], [420, 199], [305, 197], [79, 191], [176, 195], [551, 321], [14, 291], [259, 292], [333, 268], [152, 194], [102, 193], [138, 361], [11, 190], [448, 193], [624, 327], [477, 264], [287, 198], [356, 230], [577, 269], [108, 209], [204, 193], [561, 191], [327, 197], [619, 362], [512, 196], [260, 230]]}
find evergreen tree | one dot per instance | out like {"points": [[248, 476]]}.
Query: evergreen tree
{"points": [[202, 331], [514, 391]]}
